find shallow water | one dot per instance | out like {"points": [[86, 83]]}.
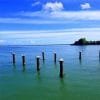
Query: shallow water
{"points": [[81, 79]]}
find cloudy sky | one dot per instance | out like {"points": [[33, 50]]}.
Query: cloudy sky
{"points": [[48, 21]]}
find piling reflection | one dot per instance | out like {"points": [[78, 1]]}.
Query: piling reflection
{"points": [[38, 77], [14, 67], [43, 61], [63, 85], [99, 56], [80, 61], [55, 58], [24, 68]]}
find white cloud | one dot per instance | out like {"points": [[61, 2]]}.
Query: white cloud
{"points": [[2, 41], [60, 17], [55, 17], [80, 15], [85, 6], [28, 21], [36, 3], [53, 11], [70, 15], [50, 6], [46, 37]]}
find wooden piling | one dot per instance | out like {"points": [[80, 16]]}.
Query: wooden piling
{"points": [[23, 61], [80, 55], [14, 59], [99, 55], [38, 63], [55, 57], [61, 67], [43, 57]]}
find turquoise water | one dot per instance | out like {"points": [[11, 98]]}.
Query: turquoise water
{"points": [[81, 79]]}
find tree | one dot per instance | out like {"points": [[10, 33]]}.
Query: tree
{"points": [[81, 41]]}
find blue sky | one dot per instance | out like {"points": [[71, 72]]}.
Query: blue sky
{"points": [[48, 21]]}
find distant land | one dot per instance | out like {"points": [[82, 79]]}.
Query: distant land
{"points": [[83, 41]]}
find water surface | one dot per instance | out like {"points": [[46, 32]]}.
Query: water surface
{"points": [[81, 78]]}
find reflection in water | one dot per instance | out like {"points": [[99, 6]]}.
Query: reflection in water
{"points": [[80, 61], [99, 57], [55, 64], [43, 61], [82, 48], [14, 67], [63, 88], [38, 76], [62, 83], [24, 68]]}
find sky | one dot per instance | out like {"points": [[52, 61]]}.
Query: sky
{"points": [[40, 22]]}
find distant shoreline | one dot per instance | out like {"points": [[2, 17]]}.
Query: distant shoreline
{"points": [[80, 42], [36, 45], [53, 45], [83, 41]]}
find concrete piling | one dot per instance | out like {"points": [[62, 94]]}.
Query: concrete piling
{"points": [[61, 61], [14, 59], [80, 55], [43, 57], [23, 61], [38, 63], [55, 57]]}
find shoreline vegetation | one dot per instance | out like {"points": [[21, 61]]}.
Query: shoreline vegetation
{"points": [[83, 41]]}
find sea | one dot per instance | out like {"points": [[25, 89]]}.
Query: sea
{"points": [[81, 78]]}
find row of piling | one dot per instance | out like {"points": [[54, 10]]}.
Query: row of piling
{"points": [[23, 58], [38, 62], [61, 61]]}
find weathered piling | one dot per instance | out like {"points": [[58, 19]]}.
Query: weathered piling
{"points": [[80, 55], [14, 58], [55, 57], [61, 61], [38, 63], [43, 57], [23, 61]]}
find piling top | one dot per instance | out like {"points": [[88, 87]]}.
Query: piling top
{"points": [[23, 55], [37, 56], [61, 60], [13, 53]]}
